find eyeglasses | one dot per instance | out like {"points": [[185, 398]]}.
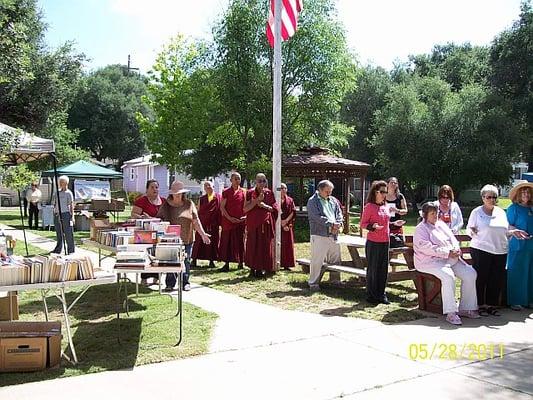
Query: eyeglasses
{"points": [[444, 197], [393, 183], [382, 191], [491, 197]]}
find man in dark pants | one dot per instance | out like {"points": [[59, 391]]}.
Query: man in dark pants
{"points": [[33, 197]]}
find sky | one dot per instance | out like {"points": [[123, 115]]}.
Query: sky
{"points": [[380, 32]]}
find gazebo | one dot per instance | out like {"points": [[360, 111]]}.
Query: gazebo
{"points": [[316, 162]]}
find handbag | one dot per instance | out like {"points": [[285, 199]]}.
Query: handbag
{"points": [[396, 240]]}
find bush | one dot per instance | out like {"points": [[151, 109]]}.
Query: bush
{"points": [[132, 196]]}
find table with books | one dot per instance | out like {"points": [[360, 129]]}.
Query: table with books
{"points": [[157, 250], [52, 275]]}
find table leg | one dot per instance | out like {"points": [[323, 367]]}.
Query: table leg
{"points": [[159, 281], [180, 305], [99, 257], [118, 305], [356, 258], [45, 305], [67, 326], [136, 285]]}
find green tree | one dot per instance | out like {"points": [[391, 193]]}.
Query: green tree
{"points": [[429, 134], [511, 59], [104, 111], [359, 108]]}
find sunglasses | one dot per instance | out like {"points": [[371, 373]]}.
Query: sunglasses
{"points": [[491, 197]]}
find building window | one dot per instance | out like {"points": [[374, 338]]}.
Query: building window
{"points": [[132, 174]]}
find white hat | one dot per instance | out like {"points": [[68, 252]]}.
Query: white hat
{"points": [[177, 187]]}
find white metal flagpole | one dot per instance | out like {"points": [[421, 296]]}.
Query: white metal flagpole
{"points": [[276, 127]]}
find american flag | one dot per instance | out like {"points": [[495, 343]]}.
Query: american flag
{"points": [[289, 19]]}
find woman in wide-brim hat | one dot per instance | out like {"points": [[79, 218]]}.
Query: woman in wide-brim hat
{"points": [[178, 210], [520, 258]]}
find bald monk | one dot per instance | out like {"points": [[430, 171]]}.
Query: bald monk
{"points": [[288, 216], [231, 247], [209, 214], [261, 213]]}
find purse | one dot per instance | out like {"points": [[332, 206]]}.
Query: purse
{"points": [[396, 240]]}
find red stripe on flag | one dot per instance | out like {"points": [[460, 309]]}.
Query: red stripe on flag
{"points": [[291, 9]]}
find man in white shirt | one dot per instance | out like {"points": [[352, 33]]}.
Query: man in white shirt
{"points": [[33, 196]]}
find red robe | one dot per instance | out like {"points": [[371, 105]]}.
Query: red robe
{"points": [[287, 237], [209, 214], [260, 225], [231, 248]]}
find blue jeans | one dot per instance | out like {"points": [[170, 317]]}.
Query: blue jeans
{"points": [[170, 280], [67, 229]]}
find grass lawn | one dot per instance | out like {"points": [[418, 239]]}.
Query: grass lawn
{"points": [[148, 335]]}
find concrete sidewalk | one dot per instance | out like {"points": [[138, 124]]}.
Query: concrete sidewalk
{"points": [[262, 352]]}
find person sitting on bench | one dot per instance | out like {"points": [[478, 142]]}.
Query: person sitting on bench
{"points": [[437, 253]]}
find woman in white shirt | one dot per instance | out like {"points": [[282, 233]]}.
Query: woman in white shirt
{"points": [[489, 230]]}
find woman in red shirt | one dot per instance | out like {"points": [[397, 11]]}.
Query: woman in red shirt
{"points": [[147, 206], [376, 220]]}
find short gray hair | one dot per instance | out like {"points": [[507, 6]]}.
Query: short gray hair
{"points": [[63, 178], [324, 183], [489, 189]]}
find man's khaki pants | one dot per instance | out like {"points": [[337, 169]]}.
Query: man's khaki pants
{"points": [[323, 250]]}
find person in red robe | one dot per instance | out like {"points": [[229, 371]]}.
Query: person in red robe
{"points": [[288, 216], [209, 214], [231, 248], [261, 213]]}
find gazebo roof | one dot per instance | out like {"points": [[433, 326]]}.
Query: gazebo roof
{"points": [[29, 148], [317, 162]]}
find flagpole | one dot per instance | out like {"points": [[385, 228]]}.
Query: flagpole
{"points": [[276, 127]]}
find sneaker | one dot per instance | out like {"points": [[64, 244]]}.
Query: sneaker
{"points": [[453, 319], [473, 314], [517, 307], [187, 287], [314, 288]]}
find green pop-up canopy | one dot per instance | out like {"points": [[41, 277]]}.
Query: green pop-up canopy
{"points": [[84, 169]]}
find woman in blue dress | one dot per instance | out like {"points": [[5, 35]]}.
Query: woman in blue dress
{"points": [[520, 257]]}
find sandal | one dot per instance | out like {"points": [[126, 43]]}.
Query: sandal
{"points": [[483, 312], [493, 311]]}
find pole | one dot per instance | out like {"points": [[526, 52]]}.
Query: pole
{"points": [[276, 125], [22, 221]]}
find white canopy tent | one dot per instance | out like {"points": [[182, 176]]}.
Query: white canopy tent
{"points": [[31, 148]]}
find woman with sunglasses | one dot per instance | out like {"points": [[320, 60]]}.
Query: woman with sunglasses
{"points": [[376, 220], [449, 211], [489, 228]]}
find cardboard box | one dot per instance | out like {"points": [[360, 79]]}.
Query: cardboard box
{"points": [[29, 346], [100, 204], [5, 315], [98, 223], [118, 205]]}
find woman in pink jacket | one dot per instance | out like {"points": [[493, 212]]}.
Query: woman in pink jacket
{"points": [[437, 253]]}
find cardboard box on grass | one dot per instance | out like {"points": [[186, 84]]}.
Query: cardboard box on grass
{"points": [[29, 346], [5, 314], [98, 223]]}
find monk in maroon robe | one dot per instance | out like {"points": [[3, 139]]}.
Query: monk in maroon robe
{"points": [[288, 216], [231, 247], [261, 213], [209, 214]]}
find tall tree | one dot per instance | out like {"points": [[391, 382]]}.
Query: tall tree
{"points": [[429, 134], [104, 111], [511, 59]]}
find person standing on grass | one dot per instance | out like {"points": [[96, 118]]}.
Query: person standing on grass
{"points": [[449, 211], [66, 201], [147, 206], [325, 223], [288, 216], [33, 196], [397, 206], [261, 212], [231, 248], [209, 214], [375, 220]]}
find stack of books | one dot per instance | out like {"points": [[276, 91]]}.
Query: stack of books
{"points": [[132, 259], [114, 238]]}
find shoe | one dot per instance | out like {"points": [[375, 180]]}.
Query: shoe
{"points": [[453, 319], [384, 301], [225, 268], [314, 288], [187, 287], [193, 264], [240, 266], [287, 268], [517, 307], [372, 301], [473, 314], [168, 289]]}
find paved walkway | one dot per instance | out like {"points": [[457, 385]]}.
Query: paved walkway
{"points": [[262, 352]]}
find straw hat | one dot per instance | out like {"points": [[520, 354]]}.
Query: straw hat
{"points": [[177, 187], [515, 190]]}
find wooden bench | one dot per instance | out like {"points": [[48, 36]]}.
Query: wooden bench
{"points": [[428, 286], [305, 263]]}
